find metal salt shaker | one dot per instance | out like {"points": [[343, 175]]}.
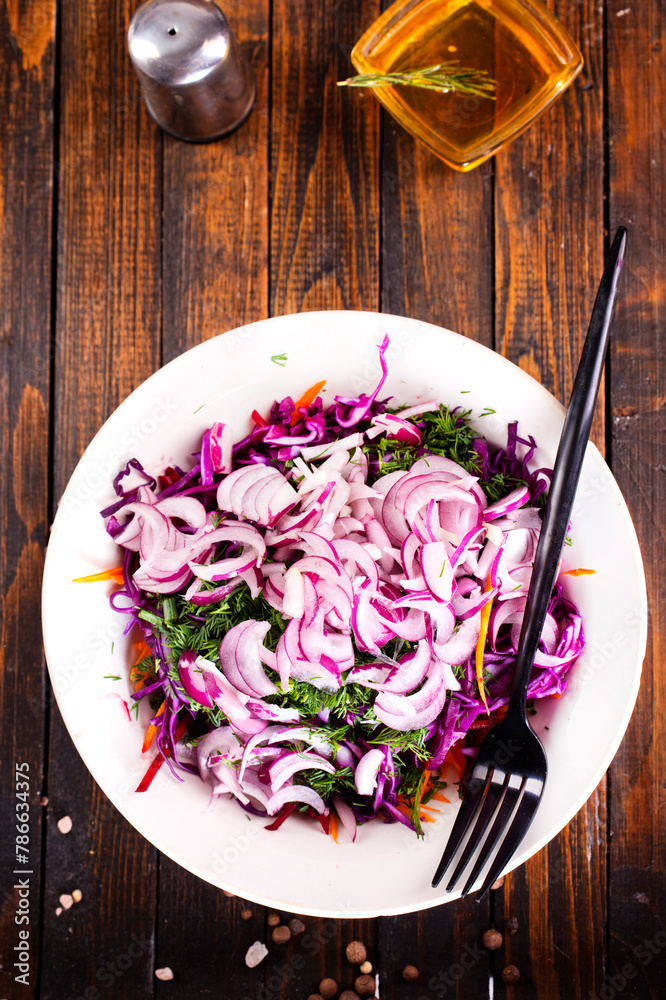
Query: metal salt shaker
{"points": [[196, 82]]}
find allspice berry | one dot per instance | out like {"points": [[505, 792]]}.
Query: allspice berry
{"points": [[273, 920], [365, 986], [410, 973], [246, 914], [492, 939], [512, 925], [315, 996], [328, 988], [356, 953], [349, 995], [296, 926], [281, 934], [510, 974], [365, 968]]}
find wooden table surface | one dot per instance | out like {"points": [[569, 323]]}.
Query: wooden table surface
{"points": [[122, 247]]}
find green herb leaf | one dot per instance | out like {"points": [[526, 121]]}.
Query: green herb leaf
{"points": [[442, 77]]}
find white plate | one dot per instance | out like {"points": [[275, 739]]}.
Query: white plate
{"points": [[388, 870]]}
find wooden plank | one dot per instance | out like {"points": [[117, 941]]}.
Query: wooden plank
{"points": [[437, 224], [549, 255], [637, 158], [108, 329], [216, 212], [27, 52], [325, 193]]}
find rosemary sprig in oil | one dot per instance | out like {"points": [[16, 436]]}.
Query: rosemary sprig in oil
{"points": [[443, 77]]}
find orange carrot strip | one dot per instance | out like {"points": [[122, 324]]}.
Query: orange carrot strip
{"points": [[427, 819], [334, 827], [151, 730], [481, 644], [142, 651], [441, 798], [115, 574], [578, 572], [305, 400]]}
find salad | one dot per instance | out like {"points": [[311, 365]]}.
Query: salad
{"points": [[330, 608]]}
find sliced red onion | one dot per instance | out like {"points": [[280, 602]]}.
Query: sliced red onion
{"points": [[397, 428], [286, 767], [265, 506], [347, 817], [228, 781], [437, 570], [345, 758], [295, 793], [222, 741], [412, 672], [367, 769], [221, 445], [253, 553], [461, 643], [414, 711], [213, 596], [273, 713], [517, 498], [316, 451], [241, 655]]}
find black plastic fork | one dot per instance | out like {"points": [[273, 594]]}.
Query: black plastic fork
{"points": [[509, 773]]}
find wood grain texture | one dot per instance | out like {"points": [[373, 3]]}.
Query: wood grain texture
{"points": [[437, 262], [637, 159], [549, 227], [216, 212], [324, 162], [26, 154], [108, 329]]}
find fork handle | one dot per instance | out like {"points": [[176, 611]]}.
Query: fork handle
{"points": [[568, 463]]}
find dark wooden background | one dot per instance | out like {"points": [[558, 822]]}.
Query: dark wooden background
{"points": [[121, 247]]}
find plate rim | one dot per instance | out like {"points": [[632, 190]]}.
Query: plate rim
{"points": [[630, 533]]}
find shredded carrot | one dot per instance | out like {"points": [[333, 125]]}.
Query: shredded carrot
{"points": [[578, 572], [305, 400], [115, 574], [441, 798], [151, 730], [334, 827], [430, 808], [481, 644], [258, 419], [427, 819]]}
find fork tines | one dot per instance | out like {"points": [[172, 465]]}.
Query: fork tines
{"points": [[504, 799]]}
